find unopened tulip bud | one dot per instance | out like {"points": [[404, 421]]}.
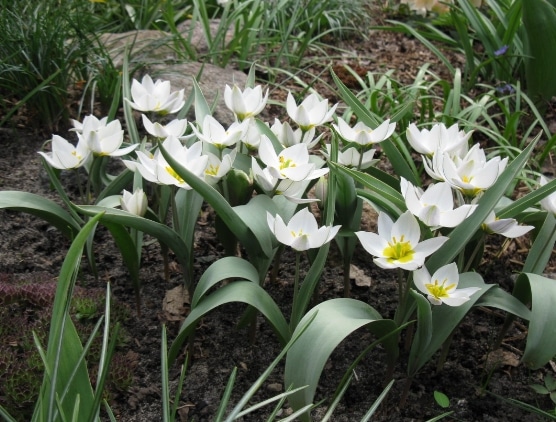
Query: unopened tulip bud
{"points": [[321, 190], [134, 203]]}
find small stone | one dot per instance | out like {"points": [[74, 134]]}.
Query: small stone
{"points": [[274, 387]]}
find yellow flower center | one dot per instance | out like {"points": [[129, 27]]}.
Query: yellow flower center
{"points": [[175, 175], [285, 163], [400, 251], [438, 289], [298, 234], [212, 170]]}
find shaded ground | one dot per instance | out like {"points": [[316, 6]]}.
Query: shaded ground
{"points": [[28, 246]]}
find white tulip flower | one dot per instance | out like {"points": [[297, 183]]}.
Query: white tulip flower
{"points": [[397, 243], [435, 206], [289, 137], [310, 113], [302, 231], [362, 135], [507, 227], [471, 174], [548, 203], [155, 96], [427, 142], [104, 138], [78, 126], [442, 286], [252, 137], [351, 157], [247, 103], [134, 203], [289, 189], [218, 168], [65, 156], [214, 133], [156, 169], [176, 127], [292, 162]]}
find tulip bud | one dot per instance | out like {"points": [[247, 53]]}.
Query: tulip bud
{"points": [[135, 203], [321, 190]]}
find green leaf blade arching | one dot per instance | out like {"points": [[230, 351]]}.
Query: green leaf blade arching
{"points": [[541, 339], [41, 207], [237, 291], [236, 225], [333, 321]]}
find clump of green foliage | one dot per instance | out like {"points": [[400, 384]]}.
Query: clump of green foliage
{"points": [[25, 312]]}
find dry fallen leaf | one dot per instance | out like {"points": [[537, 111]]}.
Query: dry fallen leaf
{"points": [[175, 304], [361, 279]]}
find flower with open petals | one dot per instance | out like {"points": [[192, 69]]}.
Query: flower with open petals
{"points": [[310, 113], [134, 203], [214, 133], [155, 96], [471, 174], [397, 243], [156, 169], [103, 138], [362, 135], [442, 286], [351, 157], [175, 128], [435, 206], [246, 103], [218, 168], [548, 203], [302, 231], [64, 155], [507, 227], [291, 190], [292, 163], [289, 137], [427, 142]]}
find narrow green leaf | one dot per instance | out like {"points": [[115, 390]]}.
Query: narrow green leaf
{"points": [[543, 245], [541, 338], [160, 231], [41, 207], [220, 205]]}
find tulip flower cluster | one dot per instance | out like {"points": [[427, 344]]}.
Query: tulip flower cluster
{"points": [[283, 162]]}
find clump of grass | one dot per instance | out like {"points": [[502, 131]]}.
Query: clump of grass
{"points": [[44, 53], [26, 311]]}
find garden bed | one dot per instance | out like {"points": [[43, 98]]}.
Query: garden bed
{"points": [[31, 251]]}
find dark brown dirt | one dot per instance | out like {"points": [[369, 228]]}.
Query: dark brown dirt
{"points": [[472, 371]]}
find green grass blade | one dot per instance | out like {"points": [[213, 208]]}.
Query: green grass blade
{"points": [[64, 347]]}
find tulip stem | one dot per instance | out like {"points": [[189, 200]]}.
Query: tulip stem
{"points": [[347, 265], [296, 279]]}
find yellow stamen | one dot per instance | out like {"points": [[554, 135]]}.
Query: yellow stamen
{"points": [[400, 251], [438, 289], [212, 170], [175, 175]]}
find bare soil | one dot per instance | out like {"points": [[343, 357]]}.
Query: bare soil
{"points": [[32, 251]]}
